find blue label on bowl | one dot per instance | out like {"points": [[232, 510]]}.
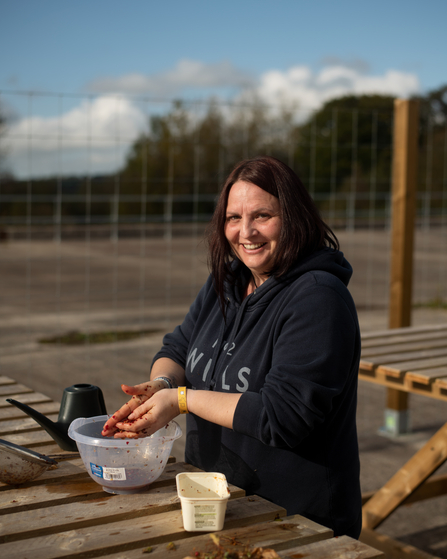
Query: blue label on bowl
{"points": [[96, 470]]}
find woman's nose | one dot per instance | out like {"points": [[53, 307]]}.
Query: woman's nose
{"points": [[247, 227]]}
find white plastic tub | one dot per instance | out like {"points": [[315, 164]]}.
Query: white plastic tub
{"points": [[204, 497]]}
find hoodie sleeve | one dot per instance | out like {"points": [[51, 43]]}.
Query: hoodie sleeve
{"points": [[176, 343], [314, 367]]}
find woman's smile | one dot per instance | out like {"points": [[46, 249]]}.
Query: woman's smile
{"points": [[254, 247]]}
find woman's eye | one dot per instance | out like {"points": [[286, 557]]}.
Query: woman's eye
{"points": [[232, 217], [262, 216]]}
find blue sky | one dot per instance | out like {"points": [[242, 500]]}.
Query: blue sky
{"points": [[306, 51]]}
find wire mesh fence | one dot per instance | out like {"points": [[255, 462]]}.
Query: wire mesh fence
{"points": [[104, 200], [103, 205]]}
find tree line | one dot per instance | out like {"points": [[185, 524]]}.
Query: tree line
{"points": [[342, 152]]}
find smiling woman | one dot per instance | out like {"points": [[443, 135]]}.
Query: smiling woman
{"points": [[265, 363], [286, 214]]}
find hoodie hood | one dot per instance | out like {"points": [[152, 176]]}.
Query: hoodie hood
{"points": [[324, 260]]}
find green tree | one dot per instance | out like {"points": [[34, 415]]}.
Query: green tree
{"points": [[3, 127], [432, 164], [345, 147]]}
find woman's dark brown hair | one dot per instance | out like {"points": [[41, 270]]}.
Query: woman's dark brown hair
{"points": [[302, 229]]}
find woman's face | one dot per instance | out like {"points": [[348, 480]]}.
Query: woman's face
{"points": [[252, 227]]}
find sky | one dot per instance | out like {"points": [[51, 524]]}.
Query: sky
{"points": [[90, 63]]}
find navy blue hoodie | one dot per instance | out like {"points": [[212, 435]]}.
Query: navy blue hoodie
{"points": [[292, 348]]}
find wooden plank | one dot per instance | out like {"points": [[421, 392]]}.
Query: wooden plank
{"points": [[133, 533], [410, 336], [411, 359], [11, 412], [393, 549], [278, 534], [83, 512], [65, 471], [40, 496], [436, 390], [31, 398], [6, 380], [406, 330], [378, 377], [426, 376], [35, 496], [400, 367], [432, 455], [12, 426], [334, 548], [7, 389], [32, 439], [402, 347], [370, 366], [439, 388]]}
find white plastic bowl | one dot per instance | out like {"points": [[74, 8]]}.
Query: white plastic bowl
{"points": [[122, 465]]}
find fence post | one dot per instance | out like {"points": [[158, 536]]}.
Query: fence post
{"points": [[404, 179]]}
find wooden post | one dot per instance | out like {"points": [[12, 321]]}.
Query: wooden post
{"points": [[405, 152]]}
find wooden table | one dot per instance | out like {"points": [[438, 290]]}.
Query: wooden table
{"points": [[65, 514], [412, 359]]}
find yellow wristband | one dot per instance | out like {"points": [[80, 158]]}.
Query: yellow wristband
{"points": [[182, 399]]}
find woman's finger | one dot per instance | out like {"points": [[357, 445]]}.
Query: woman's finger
{"points": [[125, 435], [146, 388], [144, 421], [122, 414]]}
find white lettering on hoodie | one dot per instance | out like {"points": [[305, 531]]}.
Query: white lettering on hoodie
{"points": [[192, 358]]}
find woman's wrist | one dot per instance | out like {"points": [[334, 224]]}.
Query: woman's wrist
{"points": [[169, 382]]}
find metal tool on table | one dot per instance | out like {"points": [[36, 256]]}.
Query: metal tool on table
{"points": [[19, 464]]}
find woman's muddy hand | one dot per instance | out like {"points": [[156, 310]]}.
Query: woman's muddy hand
{"points": [[140, 394], [149, 417]]}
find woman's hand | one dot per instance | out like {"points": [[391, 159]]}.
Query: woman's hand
{"points": [[140, 394], [150, 416]]}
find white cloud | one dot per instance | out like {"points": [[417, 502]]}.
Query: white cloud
{"points": [[187, 74], [311, 90], [94, 137]]}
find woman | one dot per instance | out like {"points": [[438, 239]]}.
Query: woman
{"points": [[268, 355]]}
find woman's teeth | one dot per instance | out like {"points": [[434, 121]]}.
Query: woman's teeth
{"points": [[253, 247]]}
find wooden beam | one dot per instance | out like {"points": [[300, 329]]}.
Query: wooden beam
{"points": [[396, 399], [404, 178], [436, 486], [406, 480]]}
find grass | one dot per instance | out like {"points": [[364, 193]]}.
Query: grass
{"points": [[80, 338], [435, 303]]}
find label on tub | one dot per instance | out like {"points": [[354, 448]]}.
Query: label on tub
{"points": [[205, 516], [111, 474]]}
